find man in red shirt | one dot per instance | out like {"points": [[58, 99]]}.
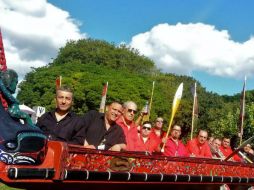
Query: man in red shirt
{"points": [[226, 149], [146, 142], [199, 147], [126, 121], [174, 146], [157, 129], [215, 148]]}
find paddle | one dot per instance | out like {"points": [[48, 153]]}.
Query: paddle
{"points": [[176, 102]]}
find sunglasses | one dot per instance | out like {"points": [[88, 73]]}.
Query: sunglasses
{"points": [[146, 128], [131, 110]]}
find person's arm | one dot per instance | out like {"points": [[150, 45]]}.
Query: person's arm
{"points": [[118, 147], [141, 115], [80, 129], [208, 152], [160, 143], [139, 119], [121, 143], [190, 147], [86, 145]]}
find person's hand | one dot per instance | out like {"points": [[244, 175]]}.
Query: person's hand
{"points": [[90, 146], [251, 151], [144, 111], [115, 147], [164, 140]]}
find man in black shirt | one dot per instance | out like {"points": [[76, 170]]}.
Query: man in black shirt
{"points": [[62, 124], [100, 130]]}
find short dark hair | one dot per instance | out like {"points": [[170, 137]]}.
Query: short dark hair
{"points": [[147, 122], [177, 126], [64, 88], [113, 102]]}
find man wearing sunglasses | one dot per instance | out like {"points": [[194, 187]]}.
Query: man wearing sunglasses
{"points": [[146, 142], [157, 131], [126, 121], [174, 146]]}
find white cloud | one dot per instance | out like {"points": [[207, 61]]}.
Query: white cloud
{"points": [[184, 48], [33, 32]]}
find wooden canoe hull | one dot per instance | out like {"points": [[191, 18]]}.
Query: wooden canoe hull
{"points": [[72, 167]]}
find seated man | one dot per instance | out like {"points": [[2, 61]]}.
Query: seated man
{"points": [[248, 149], [226, 149], [210, 140], [62, 124], [174, 146], [198, 147], [100, 130], [146, 142], [248, 153], [126, 121], [215, 149], [157, 129]]}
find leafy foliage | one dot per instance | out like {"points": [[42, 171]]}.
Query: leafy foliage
{"points": [[86, 65]]}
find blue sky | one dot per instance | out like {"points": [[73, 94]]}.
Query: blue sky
{"points": [[117, 21], [210, 40]]}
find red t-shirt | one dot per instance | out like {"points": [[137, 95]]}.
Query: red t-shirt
{"points": [[150, 145], [131, 134], [154, 136], [175, 149], [199, 150], [227, 151]]}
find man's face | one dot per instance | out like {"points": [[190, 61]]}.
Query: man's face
{"points": [[202, 137], [146, 130], [225, 142], [176, 132], [129, 112], [114, 111], [210, 140], [216, 144], [158, 123], [247, 148], [63, 100]]}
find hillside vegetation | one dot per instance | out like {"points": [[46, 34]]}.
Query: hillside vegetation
{"points": [[86, 65]]}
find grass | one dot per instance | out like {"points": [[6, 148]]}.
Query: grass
{"points": [[5, 187]]}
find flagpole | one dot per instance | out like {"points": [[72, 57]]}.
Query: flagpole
{"points": [[193, 110], [103, 98], [146, 117], [176, 102], [58, 82], [151, 100], [242, 111]]}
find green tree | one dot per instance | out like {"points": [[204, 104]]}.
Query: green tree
{"points": [[86, 65]]}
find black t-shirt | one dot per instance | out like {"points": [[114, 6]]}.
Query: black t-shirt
{"points": [[63, 130], [95, 132]]}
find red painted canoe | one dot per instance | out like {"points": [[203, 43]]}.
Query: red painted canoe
{"points": [[70, 167]]}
